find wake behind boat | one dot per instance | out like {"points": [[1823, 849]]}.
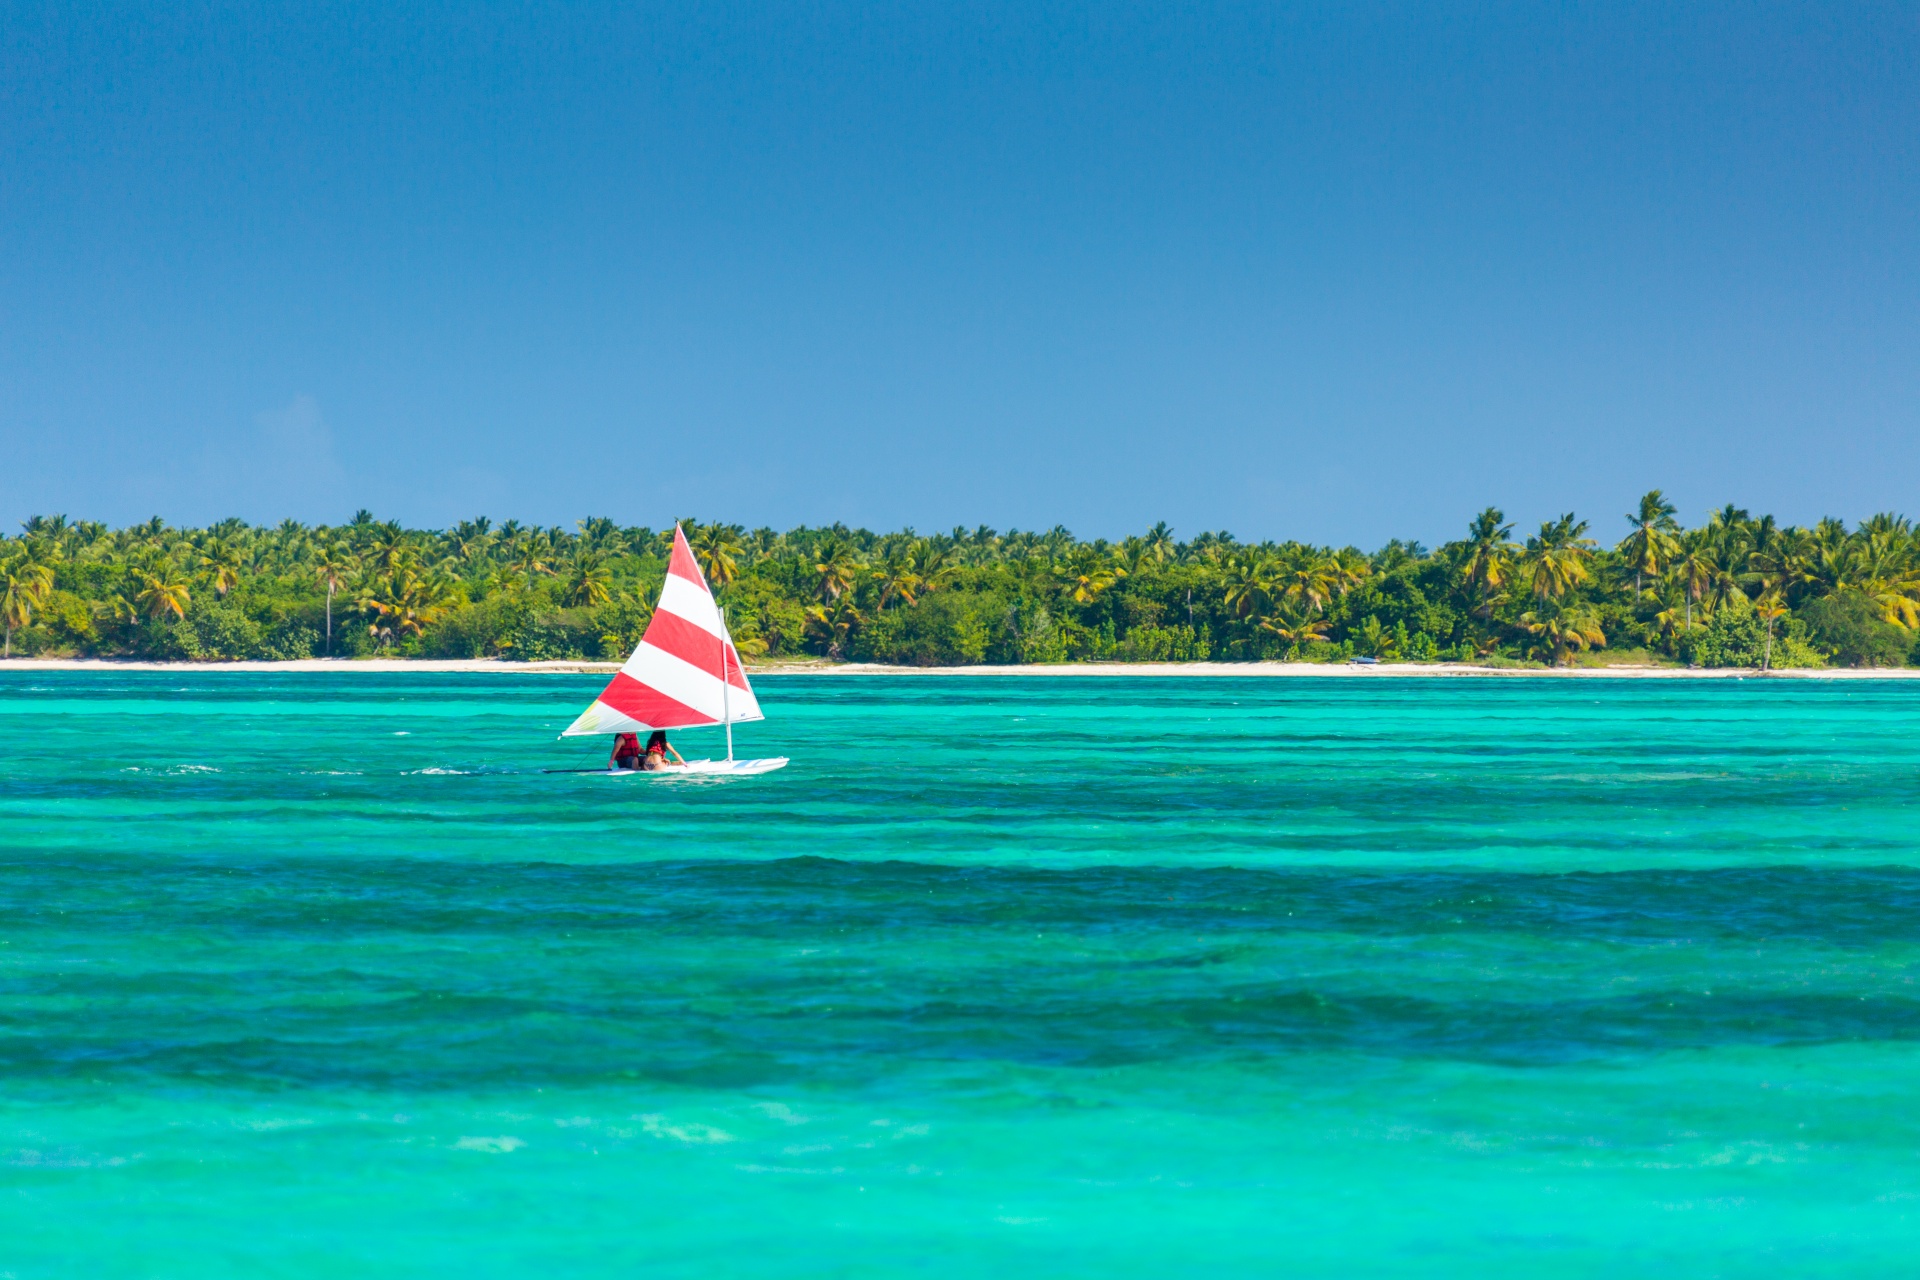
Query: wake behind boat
{"points": [[684, 673]]}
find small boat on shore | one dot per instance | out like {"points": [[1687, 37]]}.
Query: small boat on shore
{"points": [[684, 674]]}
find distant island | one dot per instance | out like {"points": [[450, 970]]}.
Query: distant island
{"points": [[1738, 591]]}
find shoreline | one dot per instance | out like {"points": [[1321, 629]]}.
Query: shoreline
{"points": [[1306, 670]]}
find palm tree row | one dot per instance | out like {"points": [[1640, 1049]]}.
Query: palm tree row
{"points": [[1734, 586]]}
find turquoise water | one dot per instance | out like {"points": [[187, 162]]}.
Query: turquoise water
{"points": [[321, 975]]}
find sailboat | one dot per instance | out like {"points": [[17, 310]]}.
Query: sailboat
{"points": [[684, 673]]}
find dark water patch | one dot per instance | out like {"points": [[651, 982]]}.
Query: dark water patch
{"points": [[399, 972], [370, 1033], [1846, 906]]}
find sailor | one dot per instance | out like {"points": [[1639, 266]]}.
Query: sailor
{"points": [[657, 751], [626, 751]]}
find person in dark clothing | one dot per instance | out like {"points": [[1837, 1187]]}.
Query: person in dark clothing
{"points": [[626, 751]]}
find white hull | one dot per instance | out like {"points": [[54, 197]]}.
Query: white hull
{"points": [[731, 768]]}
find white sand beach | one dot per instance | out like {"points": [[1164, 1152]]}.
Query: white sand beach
{"points": [[367, 665], [1300, 670], [1363, 671]]}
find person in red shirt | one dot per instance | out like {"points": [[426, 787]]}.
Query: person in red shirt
{"points": [[626, 751], [657, 750]]}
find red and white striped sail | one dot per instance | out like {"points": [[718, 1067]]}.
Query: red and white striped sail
{"points": [[685, 671]]}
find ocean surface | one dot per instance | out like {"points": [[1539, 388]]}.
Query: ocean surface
{"points": [[324, 975]]}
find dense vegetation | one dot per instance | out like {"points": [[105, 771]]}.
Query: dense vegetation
{"points": [[1737, 591]]}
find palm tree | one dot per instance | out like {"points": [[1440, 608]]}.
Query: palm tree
{"points": [[1249, 582], [1731, 530], [836, 568], [1564, 630], [1350, 567], [1722, 586], [1835, 567], [898, 577], [334, 565], [163, 590], [1375, 640], [1779, 566], [219, 561], [50, 537], [1087, 574], [1671, 622], [834, 622], [120, 608], [1134, 556], [762, 544], [717, 548], [1159, 542], [26, 580], [469, 539], [1296, 627], [1556, 558], [1652, 543], [1397, 554], [532, 557], [1730, 519], [602, 535], [934, 565], [404, 604], [391, 549], [1888, 573], [86, 534], [1307, 578], [589, 580], [1771, 611], [1695, 568], [983, 545], [1489, 556]]}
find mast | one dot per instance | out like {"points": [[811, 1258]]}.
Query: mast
{"points": [[726, 681]]}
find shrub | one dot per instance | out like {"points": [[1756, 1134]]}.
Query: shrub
{"points": [[62, 624], [552, 634], [220, 631], [168, 641], [288, 641], [949, 628], [757, 611], [217, 630], [477, 630], [1040, 637], [1736, 636], [1794, 651], [1849, 627], [1162, 644], [1733, 637], [620, 623]]}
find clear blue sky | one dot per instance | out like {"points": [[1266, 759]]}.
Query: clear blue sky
{"points": [[1342, 272]]}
